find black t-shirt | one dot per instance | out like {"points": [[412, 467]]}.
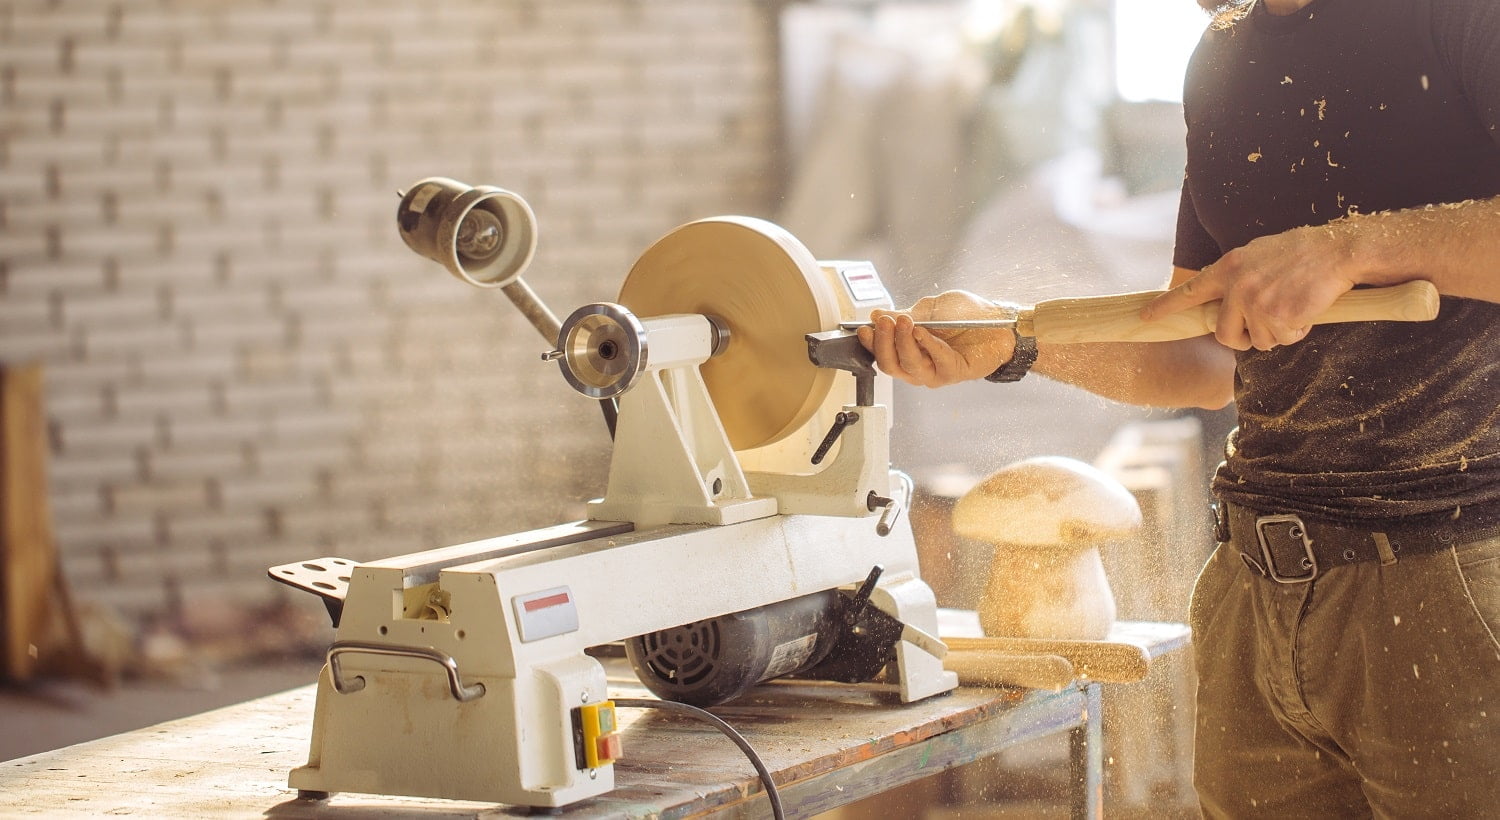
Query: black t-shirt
{"points": [[1345, 107]]}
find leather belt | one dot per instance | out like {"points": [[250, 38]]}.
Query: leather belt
{"points": [[1290, 548]]}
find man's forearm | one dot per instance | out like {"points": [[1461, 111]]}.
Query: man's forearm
{"points": [[1454, 246], [1195, 372]]}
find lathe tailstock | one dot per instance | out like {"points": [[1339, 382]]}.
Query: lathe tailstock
{"points": [[750, 528]]}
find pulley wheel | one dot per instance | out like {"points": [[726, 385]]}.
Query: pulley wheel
{"points": [[765, 286]]}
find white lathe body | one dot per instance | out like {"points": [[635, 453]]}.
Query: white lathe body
{"points": [[461, 672]]}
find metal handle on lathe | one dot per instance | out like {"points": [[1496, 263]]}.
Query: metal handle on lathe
{"points": [[349, 685], [1117, 318]]}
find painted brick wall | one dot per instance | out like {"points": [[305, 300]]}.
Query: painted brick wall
{"points": [[245, 365]]}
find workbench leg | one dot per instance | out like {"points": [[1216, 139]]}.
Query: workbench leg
{"points": [[1086, 758]]}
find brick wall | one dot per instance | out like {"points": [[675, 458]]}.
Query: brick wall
{"points": [[245, 365]]}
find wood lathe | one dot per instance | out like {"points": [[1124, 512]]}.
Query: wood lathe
{"points": [[750, 528]]}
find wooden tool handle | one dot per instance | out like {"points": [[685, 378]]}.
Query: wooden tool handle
{"points": [[1116, 318], [1104, 661], [1031, 671]]}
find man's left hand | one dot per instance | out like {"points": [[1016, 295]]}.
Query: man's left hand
{"points": [[1271, 288]]}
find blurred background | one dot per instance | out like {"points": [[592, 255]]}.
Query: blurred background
{"points": [[241, 365]]}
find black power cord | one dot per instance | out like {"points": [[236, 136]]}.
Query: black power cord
{"points": [[713, 720]]}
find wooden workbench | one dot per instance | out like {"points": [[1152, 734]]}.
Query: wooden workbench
{"points": [[826, 745]]}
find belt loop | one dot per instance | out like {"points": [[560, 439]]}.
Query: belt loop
{"points": [[1383, 548], [1254, 564], [1220, 511]]}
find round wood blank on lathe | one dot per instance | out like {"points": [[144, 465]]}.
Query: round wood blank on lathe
{"points": [[766, 287]]}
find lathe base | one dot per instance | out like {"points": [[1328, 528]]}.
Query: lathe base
{"points": [[390, 718]]}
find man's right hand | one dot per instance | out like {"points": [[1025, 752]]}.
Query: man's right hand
{"points": [[935, 358]]}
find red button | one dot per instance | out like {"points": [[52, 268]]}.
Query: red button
{"points": [[607, 747]]}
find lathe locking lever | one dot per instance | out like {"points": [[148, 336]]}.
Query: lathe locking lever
{"points": [[880, 628], [861, 598], [892, 511], [840, 421]]}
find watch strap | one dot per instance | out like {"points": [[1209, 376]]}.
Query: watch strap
{"points": [[1020, 361]]}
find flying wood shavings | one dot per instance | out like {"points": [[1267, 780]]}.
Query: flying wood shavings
{"points": [[1254, 156], [1322, 108], [1286, 80], [1425, 84]]}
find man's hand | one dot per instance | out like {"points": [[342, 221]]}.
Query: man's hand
{"points": [[1272, 288], [934, 358]]}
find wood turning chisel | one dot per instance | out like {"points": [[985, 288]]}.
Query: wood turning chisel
{"points": [[1116, 318]]}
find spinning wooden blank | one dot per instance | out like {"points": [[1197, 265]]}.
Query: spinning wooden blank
{"points": [[766, 287]]}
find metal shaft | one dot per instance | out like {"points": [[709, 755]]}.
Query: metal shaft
{"points": [[540, 317], [945, 324]]}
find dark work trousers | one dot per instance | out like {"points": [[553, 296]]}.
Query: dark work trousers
{"points": [[1372, 691]]}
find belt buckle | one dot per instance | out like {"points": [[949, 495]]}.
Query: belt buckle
{"points": [[1296, 530]]}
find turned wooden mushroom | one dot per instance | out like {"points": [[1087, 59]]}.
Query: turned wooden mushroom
{"points": [[1046, 518]]}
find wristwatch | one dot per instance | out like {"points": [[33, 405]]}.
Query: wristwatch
{"points": [[1020, 361], [1024, 355]]}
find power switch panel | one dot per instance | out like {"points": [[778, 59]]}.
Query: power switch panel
{"points": [[595, 734]]}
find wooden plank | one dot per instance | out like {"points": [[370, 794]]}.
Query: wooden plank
{"points": [[1043, 714], [803, 731], [27, 560], [825, 743], [1108, 661], [1125, 657], [995, 668]]}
